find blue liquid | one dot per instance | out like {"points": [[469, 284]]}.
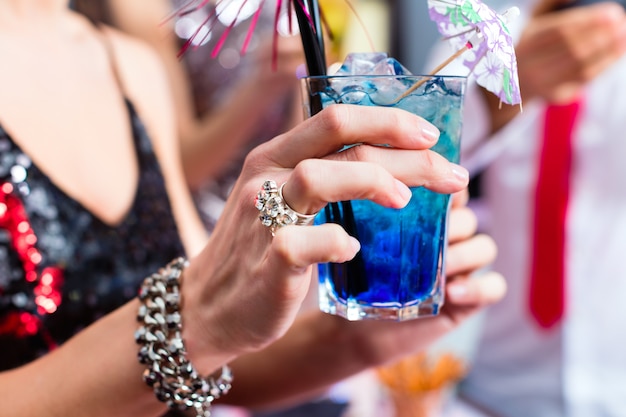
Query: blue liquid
{"points": [[399, 270], [401, 253]]}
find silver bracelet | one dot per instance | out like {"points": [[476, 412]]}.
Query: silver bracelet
{"points": [[169, 372]]}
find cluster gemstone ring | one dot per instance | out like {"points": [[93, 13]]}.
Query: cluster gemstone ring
{"points": [[275, 212]]}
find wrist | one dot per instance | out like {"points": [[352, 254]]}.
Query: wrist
{"points": [[205, 337], [169, 371]]}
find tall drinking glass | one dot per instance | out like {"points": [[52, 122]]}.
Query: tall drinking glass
{"points": [[399, 272]]}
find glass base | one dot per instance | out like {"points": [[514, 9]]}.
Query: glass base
{"points": [[354, 311]]}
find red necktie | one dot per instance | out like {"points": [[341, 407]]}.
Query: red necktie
{"points": [[547, 287]]}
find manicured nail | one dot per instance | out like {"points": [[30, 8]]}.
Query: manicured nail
{"points": [[457, 291], [430, 132], [460, 172], [356, 245], [403, 190]]}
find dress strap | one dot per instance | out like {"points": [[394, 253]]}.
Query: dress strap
{"points": [[110, 49]]}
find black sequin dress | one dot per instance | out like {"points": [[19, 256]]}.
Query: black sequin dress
{"points": [[61, 268]]}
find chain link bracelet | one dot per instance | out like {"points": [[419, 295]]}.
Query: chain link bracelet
{"points": [[169, 372]]}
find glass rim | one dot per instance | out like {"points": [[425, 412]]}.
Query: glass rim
{"points": [[365, 76]]}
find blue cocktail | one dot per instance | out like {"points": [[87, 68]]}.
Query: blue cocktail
{"points": [[398, 273]]}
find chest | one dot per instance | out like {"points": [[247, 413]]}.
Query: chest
{"points": [[68, 113], [62, 264]]}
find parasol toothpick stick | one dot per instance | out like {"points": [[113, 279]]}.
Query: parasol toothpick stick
{"points": [[470, 24], [469, 45]]}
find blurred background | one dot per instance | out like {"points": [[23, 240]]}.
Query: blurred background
{"points": [[400, 27]]}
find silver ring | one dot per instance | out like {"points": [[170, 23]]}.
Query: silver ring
{"points": [[275, 212]]}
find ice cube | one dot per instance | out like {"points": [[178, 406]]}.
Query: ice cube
{"points": [[356, 91], [371, 63], [390, 66]]}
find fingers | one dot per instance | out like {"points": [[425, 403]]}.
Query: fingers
{"points": [[461, 198], [559, 52], [314, 183], [322, 174], [297, 247], [359, 171], [462, 224], [423, 168], [382, 341], [270, 280], [337, 126], [470, 255], [597, 38], [482, 290], [372, 173]]}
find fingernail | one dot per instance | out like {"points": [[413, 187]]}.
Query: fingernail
{"points": [[430, 132], [456, 291], [460, 172], [356, 245], [403, 190]]}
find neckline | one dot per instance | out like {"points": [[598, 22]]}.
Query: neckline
{"points": [[60, 191]]}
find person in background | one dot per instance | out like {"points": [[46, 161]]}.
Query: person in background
{"points": [[94, 206], [552, 347]]}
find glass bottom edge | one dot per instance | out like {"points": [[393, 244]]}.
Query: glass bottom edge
{"points": [[353, 311]]}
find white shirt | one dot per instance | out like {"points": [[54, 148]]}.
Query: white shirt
{"points": [[577, 369]]}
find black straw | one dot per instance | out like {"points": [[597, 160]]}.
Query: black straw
{"points": [[312, 37], [314, 11], [313, 44]]}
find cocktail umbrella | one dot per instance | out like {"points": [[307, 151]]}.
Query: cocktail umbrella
{"points": [[482, 36]]}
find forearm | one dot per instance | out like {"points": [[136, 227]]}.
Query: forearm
{"points": [[317, 352], [94, 374]]}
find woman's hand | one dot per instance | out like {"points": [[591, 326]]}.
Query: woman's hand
{"points": [[467, 291], [243, 291], [320, 349]]}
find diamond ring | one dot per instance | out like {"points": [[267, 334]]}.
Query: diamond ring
{"points": [[275, 212]]}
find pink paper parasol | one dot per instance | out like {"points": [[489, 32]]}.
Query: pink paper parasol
{"points": [[482, 35]]}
